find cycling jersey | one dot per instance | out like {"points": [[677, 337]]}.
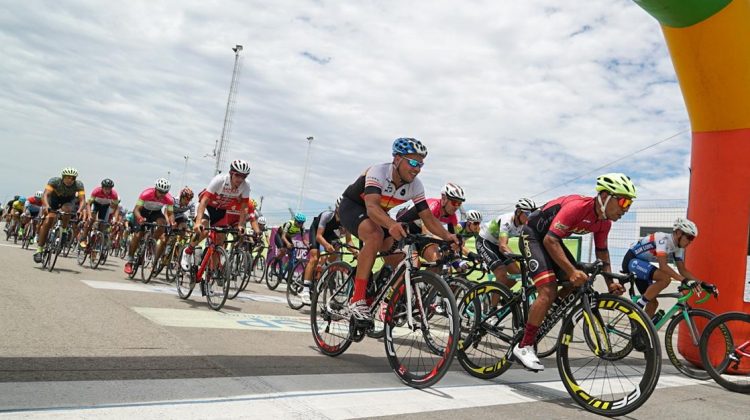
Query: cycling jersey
{"points": [[184, 212], [59, 189], [234, 209], [99, 197], [290, 228], [412, 215], [33, 205], [150, 202], [378, 179], [18, 206], [567, 215], [501, 227], [222, 196], [657, 244]]}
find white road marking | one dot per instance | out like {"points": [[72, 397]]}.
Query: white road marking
{"points": [[195, 318], [156, 288]]}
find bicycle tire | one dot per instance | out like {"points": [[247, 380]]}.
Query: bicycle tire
{"points": [[95, 254], [217, 279], [295, 285], [331, 327], [487, 329], [700, 318], [417, 368], [81, 255], [55, 251], [258, 270], [731, 356], [185, 282], [149, 260], [236, 260], [582, 379], [273, 276]]}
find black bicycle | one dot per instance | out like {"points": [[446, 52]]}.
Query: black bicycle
{"points": [[608, 371], [725, 350]]}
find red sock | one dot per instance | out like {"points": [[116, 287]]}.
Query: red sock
{"points": [[360, 289], [529, 335]]}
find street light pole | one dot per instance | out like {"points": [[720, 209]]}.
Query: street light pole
{"points": [[304, 174], [184, 170]]}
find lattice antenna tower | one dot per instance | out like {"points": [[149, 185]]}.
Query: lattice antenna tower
{"points": [[222, 148]]}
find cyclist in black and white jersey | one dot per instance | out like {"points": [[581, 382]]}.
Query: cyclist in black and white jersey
{"points": [[364, 212]]}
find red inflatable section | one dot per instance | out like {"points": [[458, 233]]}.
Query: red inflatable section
{"points": [[720, 205]]}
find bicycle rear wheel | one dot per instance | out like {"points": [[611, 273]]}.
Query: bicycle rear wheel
{"points": [[217, 279], [602, 378], [273, 276], [329, 319], [421, 352], [237, 262], [295, 285], [489, 322], [729, 352], [258, 269]]}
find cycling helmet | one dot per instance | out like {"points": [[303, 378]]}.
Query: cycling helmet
{"points": [[16, 197], [262, 220], [22, 200], [187, 192], [255, 203], [338, 201], [107, 183], [407, 145], [38, 194], [163, 185], [473, 216], [616, 184], [69, 171], [686, 226], [240, 166], [453, 191], [300, 218], [526, 204]]}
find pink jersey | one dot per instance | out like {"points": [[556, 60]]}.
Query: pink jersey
{"points": [[437, 211], [221, 195], [570, 214], [150, 202], [99, 197]]}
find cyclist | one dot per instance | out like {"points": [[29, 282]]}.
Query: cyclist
{"points": [[8, 209], [62, 192], [16, 210], [104, 201], [364, 208], [471, 226], [31, 210], [287, 231], [492, 243], [657, 247], [325, 229], [549, 259], [184, 209], [225, 191], [149, 208]]}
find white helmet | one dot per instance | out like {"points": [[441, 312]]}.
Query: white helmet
{"points": [[453, 191], [473, 216], [240, 166], [262, 220], [526, 204], [163, 185], [685, 226], [38, 194]]}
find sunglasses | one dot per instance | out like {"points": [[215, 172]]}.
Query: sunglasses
{"points": [[624, 202], [688, 236], [237, 174], [474, 223], [456, 203], [414, 163]]}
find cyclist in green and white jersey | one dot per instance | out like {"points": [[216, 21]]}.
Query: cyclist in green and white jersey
{"points": [[492, 243]]}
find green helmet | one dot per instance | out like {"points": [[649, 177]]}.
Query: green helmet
{"points": [[616, 184]]}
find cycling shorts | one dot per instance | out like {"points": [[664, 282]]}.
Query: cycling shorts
{"points": [[150, 216], [352, 215], [542, 268], [643, 270], [491, 254]]}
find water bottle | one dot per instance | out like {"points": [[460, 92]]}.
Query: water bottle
{"points": [[657, 316]]}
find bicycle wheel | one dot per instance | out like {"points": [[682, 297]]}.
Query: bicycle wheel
{"points": [[699, 318], [217, 279], [421, 352], [329, 318], [95, 245], [599, 377], [729, 353], [174, 263], [185, 282], [295, 285], [149, 260], [237, 262], [489, 322], [81, 255], [258, 270], [55, 251], [273, 276]]}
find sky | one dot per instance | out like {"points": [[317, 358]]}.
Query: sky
{"points": [[524, 98]]}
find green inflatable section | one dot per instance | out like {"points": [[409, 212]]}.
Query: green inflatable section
{"points": [[682, 13]]}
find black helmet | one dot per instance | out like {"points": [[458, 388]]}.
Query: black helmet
{"points": [[107, 183]]}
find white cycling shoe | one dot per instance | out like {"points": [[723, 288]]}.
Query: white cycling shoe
{"points": [[527, 357]]}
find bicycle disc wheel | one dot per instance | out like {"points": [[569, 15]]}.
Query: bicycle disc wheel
{"points": [[489, 321], [295, 285], [273, 276], [217, 279], [729, 352], [329, 319], [699, 318], [596, 372], [421, 351], [258, 270]]}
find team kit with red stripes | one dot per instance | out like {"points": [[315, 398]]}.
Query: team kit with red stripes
{"points": [[363, 209]]}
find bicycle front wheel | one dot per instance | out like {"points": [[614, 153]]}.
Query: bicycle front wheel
{"points": [[727, 361], [149, 260], [597, 373], [258, 269], [330, 321], [421, 352], [699, 318], [295, 285], [217, 279], [273, 276]]}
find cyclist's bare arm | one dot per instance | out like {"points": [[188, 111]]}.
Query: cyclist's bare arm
{"points": [[199, 213], [686, 274], [664, 266]]}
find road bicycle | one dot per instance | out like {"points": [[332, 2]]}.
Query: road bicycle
{"points": [[726, 357], [96, 247], [212, 271]]}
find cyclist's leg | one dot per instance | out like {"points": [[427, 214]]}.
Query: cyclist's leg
{"points": [[645, 277], [159, 236]]}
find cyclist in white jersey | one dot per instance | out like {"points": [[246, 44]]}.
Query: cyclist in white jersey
{"points": [[492, 243], [656, 248]]}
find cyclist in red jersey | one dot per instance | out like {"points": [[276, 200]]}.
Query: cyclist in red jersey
{"points": [[550, 261]]}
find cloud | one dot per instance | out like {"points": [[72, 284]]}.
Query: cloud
{"points": [[511, 98]]}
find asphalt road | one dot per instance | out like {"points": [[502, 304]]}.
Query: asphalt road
{"points": [[79, 343]]}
